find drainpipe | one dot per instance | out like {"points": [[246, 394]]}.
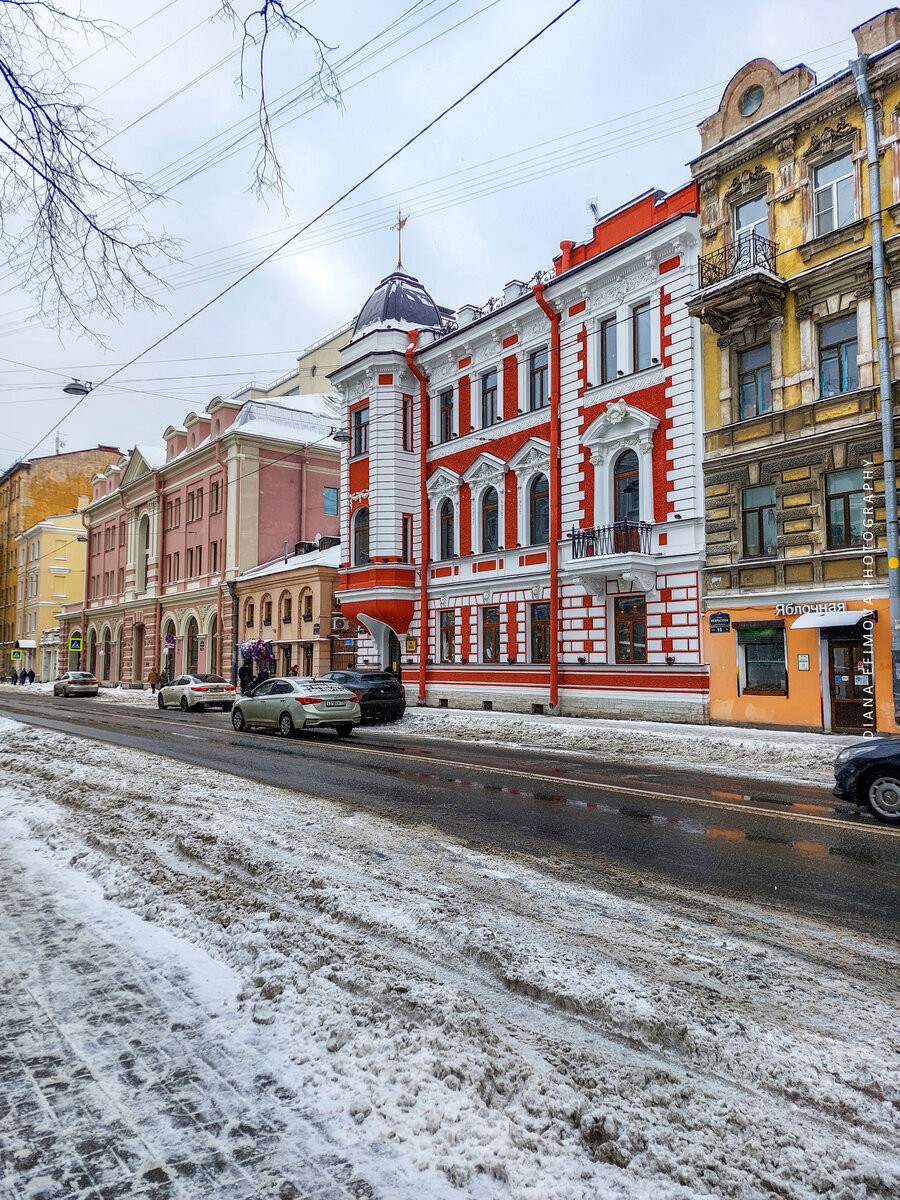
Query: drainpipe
{"points": [[424, 516], [232, 592], [555, 496], [885, 384]]}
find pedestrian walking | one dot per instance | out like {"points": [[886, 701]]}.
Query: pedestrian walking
{"points": [[162, 680], [23, 677], [30, 676], [245, 676], [153, 680], [15, 678]]}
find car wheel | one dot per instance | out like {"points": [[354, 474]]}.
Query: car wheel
{"points": [[237, 720], [883, 796], [184, 706], [160, 703], [285, 725], [344, 730]]}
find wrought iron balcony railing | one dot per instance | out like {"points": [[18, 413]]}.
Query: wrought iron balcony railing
{"points": [[623, 537], [749, 253]]}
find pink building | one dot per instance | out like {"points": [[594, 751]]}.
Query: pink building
{"points": [[246, 480]]}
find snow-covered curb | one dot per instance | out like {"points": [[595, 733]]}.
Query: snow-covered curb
{"points": [[114, 695], [754, 753]]}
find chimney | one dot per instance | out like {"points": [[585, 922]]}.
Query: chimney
{"points": [[878, 32]]}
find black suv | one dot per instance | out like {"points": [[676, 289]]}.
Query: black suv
{"points": [[381, 694], [869, 773]]}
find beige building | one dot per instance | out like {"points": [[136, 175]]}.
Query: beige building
{"points": [[51, 558]]}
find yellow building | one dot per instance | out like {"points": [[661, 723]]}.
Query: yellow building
{"points": [[51, 557], [29, 492], [797, 631]]}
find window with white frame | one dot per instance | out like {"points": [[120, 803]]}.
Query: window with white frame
{"points": [[833, 201], [609, 358], [490, 520], [641, 336]]}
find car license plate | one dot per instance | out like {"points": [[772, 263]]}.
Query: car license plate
{"points": [[334, 703]]}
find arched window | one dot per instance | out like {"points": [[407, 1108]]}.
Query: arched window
{"points": [[168, 649], [448, 533], [539, 510], [107, 664], [92, 652], [143, 552], [361, 537], [192, 646], [212, 658], [627, 488], [490, 532]]}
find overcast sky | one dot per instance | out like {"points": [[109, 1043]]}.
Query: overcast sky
{"points": [[602, 108]]}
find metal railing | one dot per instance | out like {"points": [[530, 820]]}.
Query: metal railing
{"points": [[749, 253], [622, 537]]}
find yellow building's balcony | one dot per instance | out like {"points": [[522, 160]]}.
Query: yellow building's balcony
{"points": [[739, 285]]}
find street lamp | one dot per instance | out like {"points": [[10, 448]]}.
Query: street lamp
{"points": [[77, 388], [339, 435]]}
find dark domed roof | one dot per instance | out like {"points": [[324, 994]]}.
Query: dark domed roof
{"points": [[399, 300]]}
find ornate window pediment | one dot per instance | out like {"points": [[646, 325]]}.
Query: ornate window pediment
{"points": [[531, 458], [486, 471], [443, 484], [620, 426]]}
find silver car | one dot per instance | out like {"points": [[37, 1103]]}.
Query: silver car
{"points": [[76, 683], [292, 704], [196, 692]]}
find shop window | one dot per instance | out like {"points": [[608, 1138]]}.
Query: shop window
{"points": [[330, 501], [539, 510], [608, 351], [833, 194], [763, 667], [361, 537], [490, 505], [445, 415], [361, 430], [837, 356], [447, 525], [631, 629], [490, 633], [540, 633], [845, 508], [489, 399], [538, 377], [755, 381], [448, 634], [640, 318], [758, 512]]}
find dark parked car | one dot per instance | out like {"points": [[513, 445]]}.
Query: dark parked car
{"points": [[381, 695], [869, 774]]}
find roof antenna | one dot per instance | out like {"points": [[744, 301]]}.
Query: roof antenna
{"points": [[401, 221]]}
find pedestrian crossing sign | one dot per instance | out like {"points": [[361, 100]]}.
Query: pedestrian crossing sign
{"points": [[15, 655], [74, 643]]}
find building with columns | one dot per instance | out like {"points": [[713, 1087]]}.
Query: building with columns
{"points": [[522, 514], [798, 630]]}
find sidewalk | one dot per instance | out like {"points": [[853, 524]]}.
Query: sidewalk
{"points": [[755, 753]]}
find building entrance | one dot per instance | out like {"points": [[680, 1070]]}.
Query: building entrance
{"points": [[847, 683]]}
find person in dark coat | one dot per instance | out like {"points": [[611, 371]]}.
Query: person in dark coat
{"points": [[261, 677], [23, 677], [245, 677], [30, 676]]}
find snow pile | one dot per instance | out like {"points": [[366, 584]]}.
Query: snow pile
{"points": [[522, 1033], [757, 753], [114, 695]]}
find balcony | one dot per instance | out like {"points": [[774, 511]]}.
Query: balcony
{"points": [[623, 537], [623, 550], [739, 285]]}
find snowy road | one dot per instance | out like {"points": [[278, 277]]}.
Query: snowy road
{"points": [[405, 1016]]}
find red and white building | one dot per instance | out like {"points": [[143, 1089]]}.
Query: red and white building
{"points": [[522, 506]]}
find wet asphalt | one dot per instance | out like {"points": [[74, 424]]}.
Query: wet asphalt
{"points": [[789, 846]]}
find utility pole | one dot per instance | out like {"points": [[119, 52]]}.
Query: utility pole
{"points": [[885, 383]]}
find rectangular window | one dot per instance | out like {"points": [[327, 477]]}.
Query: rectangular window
{"points": [[199, 503], [490, 633], [445, 415], [407, 423], [198, 560], [330, 498], [448, 634], [361, 430], [640, 316], [122, 534], [406, 538], [758, 512], [833, 194], [631, 629], [755, 381], [267, 613], [845, 507], [837, 356], [489, 399], [190, 506], [540, 633], [170, 514], [168, 568], [286, 610], [121, 580], [176, 566], [762, 660], [177, 512], [213, 557], [189, 563], [608, 352], [538, 376], [214, 497]]}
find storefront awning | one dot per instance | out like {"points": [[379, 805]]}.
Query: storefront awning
{"points": [[27, 644], [825, 620]]}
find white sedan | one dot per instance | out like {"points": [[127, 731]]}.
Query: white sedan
{"points": [[196, 692], [294, 703]]}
